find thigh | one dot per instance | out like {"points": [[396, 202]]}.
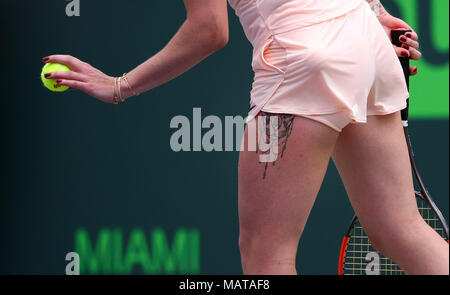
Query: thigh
{"points": [[374, 165], [275, 198]]}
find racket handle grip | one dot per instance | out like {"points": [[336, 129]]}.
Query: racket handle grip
{"points": [[404, 61]]}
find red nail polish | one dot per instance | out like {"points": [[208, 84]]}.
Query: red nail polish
{"points": [[45, 59], [47, 75], [403, 38], [405, 54], [405, 46], [58, 81], [409, 35]]}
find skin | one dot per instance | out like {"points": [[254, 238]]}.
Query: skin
{"points": [[275, 200], [273, 210], [204, 32], [373, 162], [410, 44]]}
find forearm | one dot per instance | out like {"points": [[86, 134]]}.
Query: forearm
{"points": [[377, 7], [188, 47]]}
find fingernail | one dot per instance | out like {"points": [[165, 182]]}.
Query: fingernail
{"points": [[409, 35], [405, 54], [45, 59], [403, 39], [47, 75], [58, 81], [405, 46]]}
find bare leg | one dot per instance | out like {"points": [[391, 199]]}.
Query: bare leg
{"points": [[373, 162], [273, 210]]}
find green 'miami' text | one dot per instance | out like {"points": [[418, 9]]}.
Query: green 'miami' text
{"points": [[140, 252]]}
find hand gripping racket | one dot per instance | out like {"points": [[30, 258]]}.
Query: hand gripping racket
{"points": [[357, 256]]}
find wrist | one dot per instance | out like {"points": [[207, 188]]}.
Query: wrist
{"points": [[377, 8], [122, 89], [129, 89], [125, 91], [382, 13]]}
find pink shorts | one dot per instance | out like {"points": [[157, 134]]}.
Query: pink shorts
{"points": [[336, 72]]}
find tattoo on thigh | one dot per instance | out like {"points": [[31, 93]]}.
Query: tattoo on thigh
{"points": [[281, 132]]}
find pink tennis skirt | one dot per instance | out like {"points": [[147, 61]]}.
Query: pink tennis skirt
{"points": [[337, 71]]}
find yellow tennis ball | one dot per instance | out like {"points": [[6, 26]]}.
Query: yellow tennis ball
{"points": [[50, 83]]}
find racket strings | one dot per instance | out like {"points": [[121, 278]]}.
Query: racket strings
{"points": [[359, 246]]}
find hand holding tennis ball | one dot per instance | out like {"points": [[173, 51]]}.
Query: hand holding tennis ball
{"points": [[66, 72], [51, 83]]}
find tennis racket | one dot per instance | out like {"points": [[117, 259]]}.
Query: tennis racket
{"points": [[357, 255]]}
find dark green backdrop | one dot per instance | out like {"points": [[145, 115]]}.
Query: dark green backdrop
{"points": [[81, 175]]}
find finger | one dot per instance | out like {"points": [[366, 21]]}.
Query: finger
{"points": [[413, 35], [408, 41], [415, 54], [397, 28], [70, 61], [72, 84], [413, 71], [66, 75], [401, 51]]}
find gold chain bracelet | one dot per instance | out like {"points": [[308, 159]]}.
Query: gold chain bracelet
{"points": [[115, 100], [117, 91], [124, 77]]}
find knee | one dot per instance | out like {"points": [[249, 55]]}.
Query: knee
{"points": [[254, 244], [263, 256], [247, 244], [250, 250], [255, 247]]}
